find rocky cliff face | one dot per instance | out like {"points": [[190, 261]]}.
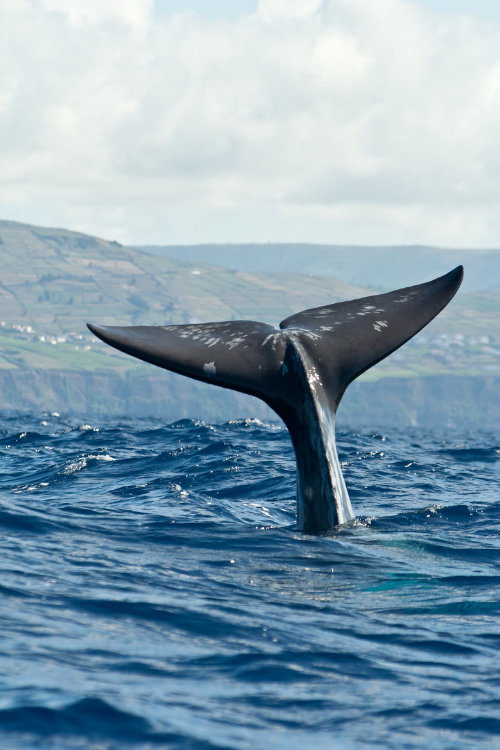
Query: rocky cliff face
{"points": [[161, 394], [435, 402]]}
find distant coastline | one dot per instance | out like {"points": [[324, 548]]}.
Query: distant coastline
{"points": [[56, 280], [436, 402]]}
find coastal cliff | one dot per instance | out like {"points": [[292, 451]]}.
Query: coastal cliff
{"points": [[437, 401]]}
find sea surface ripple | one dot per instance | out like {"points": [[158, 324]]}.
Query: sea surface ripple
{"points": [[155, 594]]}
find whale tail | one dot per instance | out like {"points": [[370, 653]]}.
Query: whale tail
{"points": [[301, 370]]}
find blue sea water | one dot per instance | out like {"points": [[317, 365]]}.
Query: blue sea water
{"points": [[155, 594]]}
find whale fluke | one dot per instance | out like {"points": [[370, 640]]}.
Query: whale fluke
{"points": [[301, 370]]}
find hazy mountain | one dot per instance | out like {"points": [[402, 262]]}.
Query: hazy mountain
{"points": [[379, 267]]}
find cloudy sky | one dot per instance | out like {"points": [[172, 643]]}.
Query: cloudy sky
{"points": [[179, 121]]}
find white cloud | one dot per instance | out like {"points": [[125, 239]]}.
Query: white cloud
{"points": [[334, 120], [80, 13]]}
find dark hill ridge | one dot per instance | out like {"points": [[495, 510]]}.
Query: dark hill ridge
{"points": [[384, 267]]}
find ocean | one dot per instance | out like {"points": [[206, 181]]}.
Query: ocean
{"points": [[155, 593]]}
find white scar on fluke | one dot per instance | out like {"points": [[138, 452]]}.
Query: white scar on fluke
{"points": [[301, 370], [209, 369]]}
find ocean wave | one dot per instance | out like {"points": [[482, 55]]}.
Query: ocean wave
{"points": [[156, 593]]}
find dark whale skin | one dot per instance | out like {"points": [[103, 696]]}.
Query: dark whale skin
{"points": [[301, 370]]}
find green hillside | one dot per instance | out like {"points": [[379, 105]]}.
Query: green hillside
{"points": [[53, 281]]}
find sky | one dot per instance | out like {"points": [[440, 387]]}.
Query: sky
{"points": [[369, 122]]}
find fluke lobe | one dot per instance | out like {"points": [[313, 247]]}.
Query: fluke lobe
{"points": [[301, 370]]}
